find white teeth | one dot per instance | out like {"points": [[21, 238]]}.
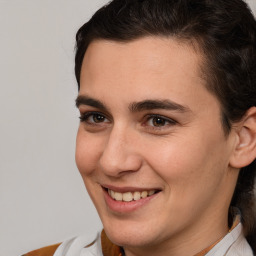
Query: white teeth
{"points": [[144, 194], [136, 196], [127, 197], [118, 196], [130, 196], [151, 192]]}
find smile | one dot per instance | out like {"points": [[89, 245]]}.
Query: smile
{"points": [[122, 200], [130, 196]]}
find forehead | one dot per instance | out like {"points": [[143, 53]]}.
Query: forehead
{"points": [[144, 68], [148, 53]]}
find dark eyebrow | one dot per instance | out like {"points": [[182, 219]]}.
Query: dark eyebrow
{"points": [[135, 106], [157, 104], [85, 100]]}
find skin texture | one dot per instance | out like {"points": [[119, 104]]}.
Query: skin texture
{"points": [[185, 155]]}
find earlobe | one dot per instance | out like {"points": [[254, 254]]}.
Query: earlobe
{"points": [[245, 148]]}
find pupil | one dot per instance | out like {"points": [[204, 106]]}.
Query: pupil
{"points": [[158, 121], [98, 118]]}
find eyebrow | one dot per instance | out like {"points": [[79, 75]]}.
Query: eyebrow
{"points": [[147, 104], [85, 100], [157, 104]]}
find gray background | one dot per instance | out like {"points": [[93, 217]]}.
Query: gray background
{"points": [[42, 197]]}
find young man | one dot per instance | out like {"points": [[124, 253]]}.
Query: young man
{"points": [[167, 140]]}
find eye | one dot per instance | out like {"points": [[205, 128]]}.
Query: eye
{"points": [[93, 118], [158, 121]]}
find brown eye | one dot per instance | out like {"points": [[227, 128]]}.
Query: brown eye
{"points": [[93, 118], [97, 118], [158, 121]]}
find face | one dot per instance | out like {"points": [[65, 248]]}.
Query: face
{"points": [[150, 146]]}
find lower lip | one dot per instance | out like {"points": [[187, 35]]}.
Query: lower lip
{"points": [[126, 207]]}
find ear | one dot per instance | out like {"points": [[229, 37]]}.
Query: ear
{"points": [[245, 147]]}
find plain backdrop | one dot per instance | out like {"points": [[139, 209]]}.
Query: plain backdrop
{"points": [[42, 197]]}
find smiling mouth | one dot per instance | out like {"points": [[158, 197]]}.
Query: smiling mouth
{"points": [[130, 196]]}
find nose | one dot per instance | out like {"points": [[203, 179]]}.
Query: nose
{"points": [[120, 154]]}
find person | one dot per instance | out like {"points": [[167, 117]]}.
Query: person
{"points": [[167, 140]]}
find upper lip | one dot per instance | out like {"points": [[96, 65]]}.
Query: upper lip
{"points": [[127, 188]]}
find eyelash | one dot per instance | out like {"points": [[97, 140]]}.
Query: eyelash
{"points": [[166, 121], [85, 116]]}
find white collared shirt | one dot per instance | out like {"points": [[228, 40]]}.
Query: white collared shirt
{"points": [[233, 244]]}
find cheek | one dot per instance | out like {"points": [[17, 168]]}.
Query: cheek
{"points": [[192, 172], [189, 161], [88, 150]]}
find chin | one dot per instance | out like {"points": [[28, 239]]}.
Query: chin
{"points": [[128, 239], [130, 235]]}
